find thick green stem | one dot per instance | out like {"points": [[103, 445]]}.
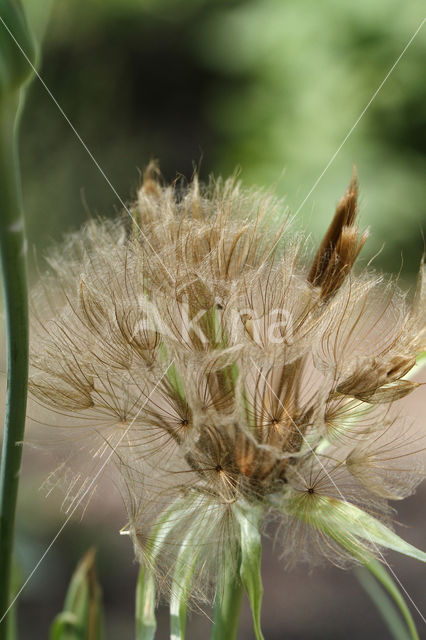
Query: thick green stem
{"points": [[14, 281], [17, 55], [227, 607]]}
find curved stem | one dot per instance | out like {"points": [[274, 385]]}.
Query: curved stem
{"points": [[382, 576], [14, 280]]}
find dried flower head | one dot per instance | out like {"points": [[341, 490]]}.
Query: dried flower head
{"points": [[234, 378]]}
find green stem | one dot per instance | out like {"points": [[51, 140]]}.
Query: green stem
{"points": [[17, 57], [14, 280], [146, 623], [380, 599], [227, 606], [380, 573]]}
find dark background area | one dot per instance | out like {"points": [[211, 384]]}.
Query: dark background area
{"points": [[270, 87]]}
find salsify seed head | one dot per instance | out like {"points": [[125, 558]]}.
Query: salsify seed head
{"points": [[227, 371]]}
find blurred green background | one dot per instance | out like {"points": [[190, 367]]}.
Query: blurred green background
{"points": [[270, 87]]}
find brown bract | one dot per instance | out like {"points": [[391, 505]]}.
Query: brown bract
{"points": [[341, 245]]}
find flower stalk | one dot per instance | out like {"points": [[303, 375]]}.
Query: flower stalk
{"points": [[389, 612], [14, 72], [227, 606], [13, 262]]}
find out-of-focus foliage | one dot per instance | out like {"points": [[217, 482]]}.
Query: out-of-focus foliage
{"points": [[270, 86], [81, 618], [299, 75]]}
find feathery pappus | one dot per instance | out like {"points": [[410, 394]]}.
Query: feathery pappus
{"points": [[234, 377]]}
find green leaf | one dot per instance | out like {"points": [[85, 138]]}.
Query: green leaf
{"points": [[184, 572], [82, 617], [251, 553], [65, 625], [382, 576]]}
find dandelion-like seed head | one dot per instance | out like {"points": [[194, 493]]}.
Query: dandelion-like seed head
{"points": [[231, 375]]}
